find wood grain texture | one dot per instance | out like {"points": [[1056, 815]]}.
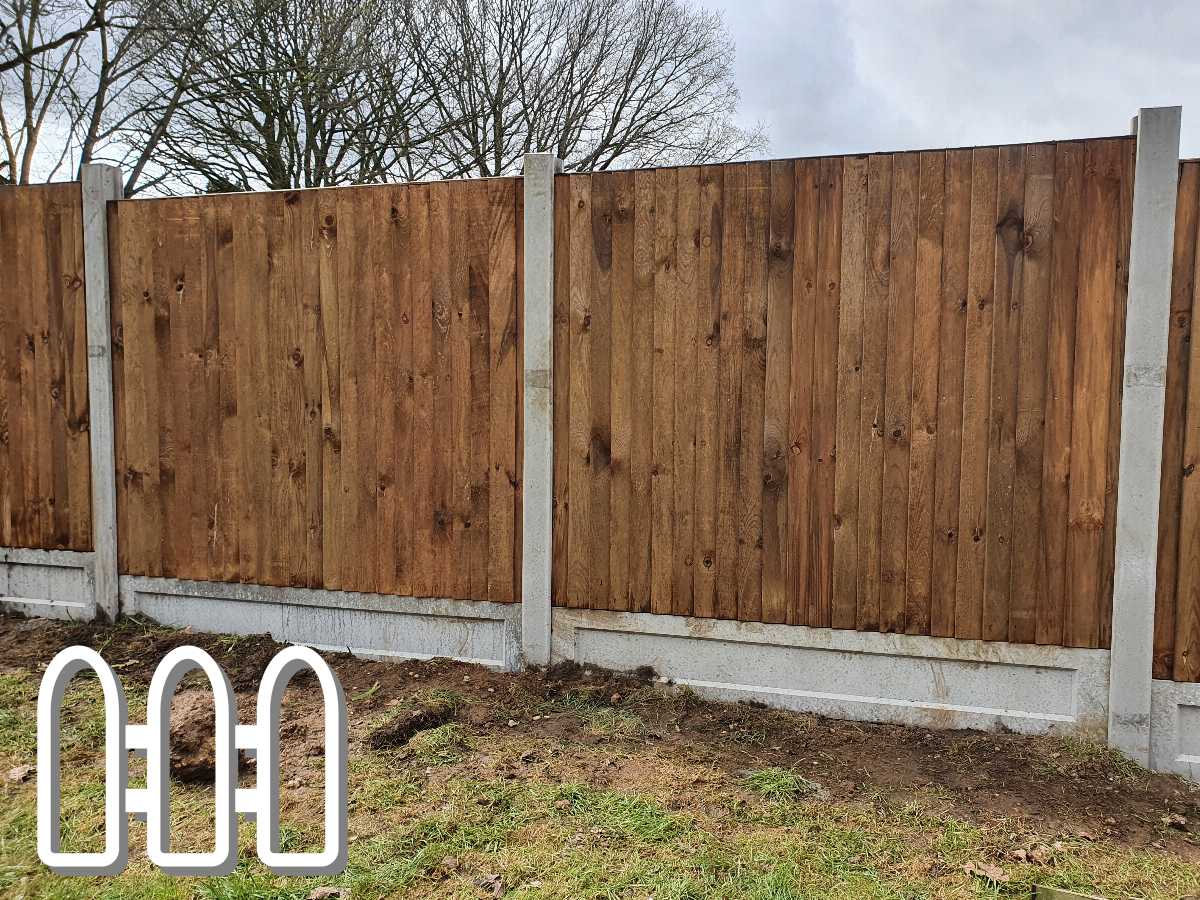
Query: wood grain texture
{"points": [[846, 392], [45, 475], [317, 388]]}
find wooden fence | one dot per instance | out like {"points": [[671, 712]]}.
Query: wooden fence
{"points": [[876, 392], [320, 388], [1177, 610], [45, 470]]}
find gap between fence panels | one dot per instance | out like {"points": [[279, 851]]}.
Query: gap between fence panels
{"points": [[887, 419]]}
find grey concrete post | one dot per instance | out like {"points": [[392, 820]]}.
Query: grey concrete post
{"points": [[537, 329], [1156, 183], [100, 184]]}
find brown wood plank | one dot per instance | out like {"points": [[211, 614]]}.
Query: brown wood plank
{"points": [[707, 289], [754, 363], [1187, 237], [927, 320], [1028, 578], [1187, 614], [853, 278], [41, 494], [1060, 389], [1002, 426], [600, 423], [684, 461], [801, 498], [387, 392], [428, 521], [503, 396], [956, 247], [622, 411], [662, 534], [579, 573], [470, 570], [906, 171], [443, 309], [825, 361], [1093, 382], [563, 207], [332, 461], [972, 544], [778, 537], [871, 414], [307, 245], [1126, 150], [75, 389], [729, 410], [641, 390], [9, 375]]}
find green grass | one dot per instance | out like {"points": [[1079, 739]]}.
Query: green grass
{"points": [[433, 822]]}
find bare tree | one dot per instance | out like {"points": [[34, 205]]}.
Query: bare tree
{"points": [[300, 94], [75, 99], [598, 82]]}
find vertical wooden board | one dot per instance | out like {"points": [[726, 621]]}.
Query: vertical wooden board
{"points": [[205, 436], [355, 335], [729, 412], [806, 231], [600, 425], [1093, 382], [463, 573], [1028, 558], [8, 365], [662, 533], [825, 361], [579, 573], [379, 205], [142, 394], [906, 171], [221, 258], [1126, 150], [641, 390], [309, 325], [1187, 613], [476, 424], [622, 411], [41, 493], [684, 461], [24, 435], [191, 377], [707, 291], [503, 396], [853, 277], [1187, 223], [777, 536], [56, 528], [871, 411], [1002, 422], [332, 462], [428, 536], [972, 497], [1060, 389], [927, 321], [442, 505], [79, 487], [518, 243], [754, 365], [562, 385]]}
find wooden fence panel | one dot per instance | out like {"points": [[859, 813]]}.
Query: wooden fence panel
{"points": [[882, 391], [1177, 607], [321, 388], [45, 474]]}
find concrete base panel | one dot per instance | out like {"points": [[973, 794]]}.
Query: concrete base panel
{"points": [[1175, 728], [57, 584], [931, 682], [369, 625]]}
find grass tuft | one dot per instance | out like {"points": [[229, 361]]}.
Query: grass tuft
{"points": [[775, 783]]}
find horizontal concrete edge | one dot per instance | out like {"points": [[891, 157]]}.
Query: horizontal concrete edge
{"points": [[368, 625], [904, 679], [73, 559], [54, 584], [1175, 728]]}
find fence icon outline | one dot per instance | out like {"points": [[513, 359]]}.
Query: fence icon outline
{"points": [[259, 803]]}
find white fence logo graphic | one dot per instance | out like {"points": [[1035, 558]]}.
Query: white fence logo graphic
{"points": [[260, 803]]}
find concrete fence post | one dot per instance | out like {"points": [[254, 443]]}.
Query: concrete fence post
{"points": [[100, 184], [1156, 183], [537, 329]]}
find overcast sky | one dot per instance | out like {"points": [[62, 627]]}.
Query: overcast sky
{"points": [[829, 77]]}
